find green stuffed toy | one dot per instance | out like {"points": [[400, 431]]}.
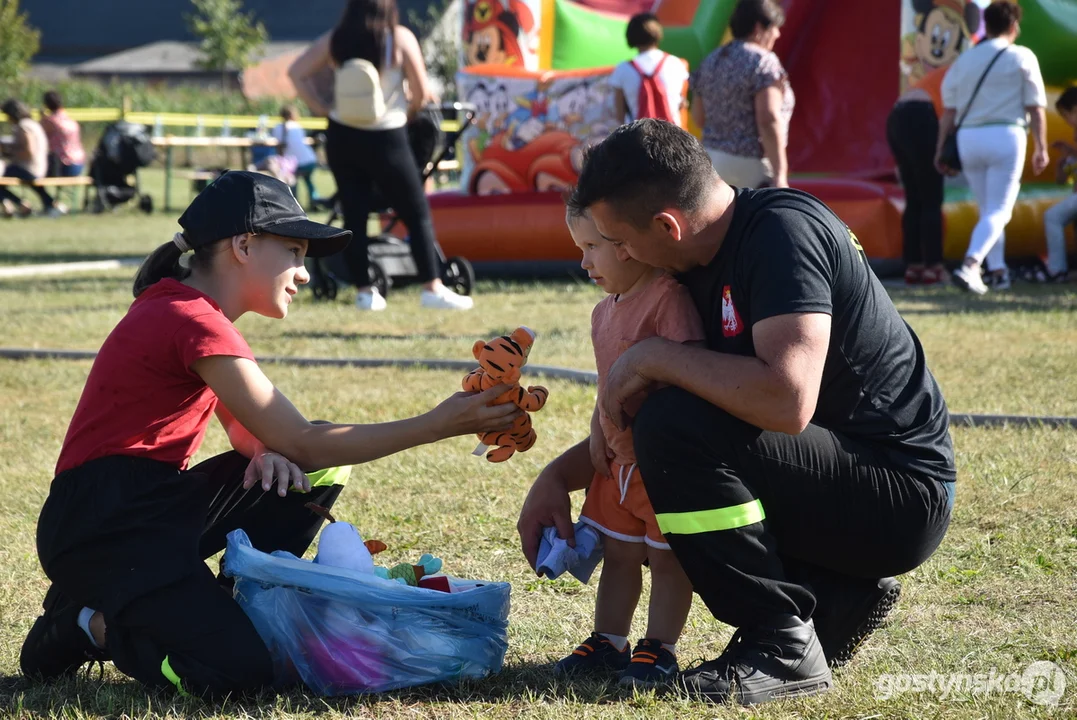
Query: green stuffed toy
{"points": [[410, 574]]}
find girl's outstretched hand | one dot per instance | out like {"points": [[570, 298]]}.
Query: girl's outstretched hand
{"points": [[270, 468], [465, 413]]}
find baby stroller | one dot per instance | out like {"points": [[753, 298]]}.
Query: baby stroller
{"points": [[391, 264], [124, 148]]}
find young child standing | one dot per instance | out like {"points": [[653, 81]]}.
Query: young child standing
{"points": [[641, 302], [293, 145], [126, 527], [655, 77]]}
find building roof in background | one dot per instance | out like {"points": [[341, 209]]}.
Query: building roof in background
{"points": [[74, 30], [167, 57]]}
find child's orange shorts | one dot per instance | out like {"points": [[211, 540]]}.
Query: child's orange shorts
{"points": [[617, 506]]}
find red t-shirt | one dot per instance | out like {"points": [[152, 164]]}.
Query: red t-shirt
{"points": [[142, 398]]}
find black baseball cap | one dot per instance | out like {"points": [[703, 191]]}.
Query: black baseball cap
{"points": [[246, 202]]}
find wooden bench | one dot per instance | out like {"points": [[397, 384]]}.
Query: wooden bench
{"points": [[51, 182], [80, 181], [195, 174]]}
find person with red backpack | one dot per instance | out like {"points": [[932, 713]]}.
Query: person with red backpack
{"points": [[651, 85]]}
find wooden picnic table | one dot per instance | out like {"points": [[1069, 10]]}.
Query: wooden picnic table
{"points": [[171, 142]]}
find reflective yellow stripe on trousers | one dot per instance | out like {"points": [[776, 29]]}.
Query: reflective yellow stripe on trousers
{"points": [[172, 677], [701, 521]]}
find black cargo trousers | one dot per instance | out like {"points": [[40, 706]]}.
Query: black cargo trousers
{"points": [[129, 537], [763, 522]]}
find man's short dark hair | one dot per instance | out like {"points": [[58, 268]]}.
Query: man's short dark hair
{"points": [[748, 13], [1067, 100], [1001, 16], [643, 31], [642, 169], [53, 101]]}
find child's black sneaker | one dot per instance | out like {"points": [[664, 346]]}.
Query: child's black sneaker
{"points": [[651, 665], [56, 646], [596, 654]]}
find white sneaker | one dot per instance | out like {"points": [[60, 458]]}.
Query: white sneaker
{"points": [[445, 299], [968, 279], [56, 211], [370, 300]]}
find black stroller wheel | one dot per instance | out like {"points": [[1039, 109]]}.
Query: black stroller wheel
{"points": [[322, 284], [458, 275], [379, 279], [326, 289]]}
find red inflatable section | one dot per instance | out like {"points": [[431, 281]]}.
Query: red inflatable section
{"points": [[531, 226], [843, 58]]}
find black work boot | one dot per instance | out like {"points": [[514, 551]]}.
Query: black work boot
{"points": [[847, 612], [782, 660]]}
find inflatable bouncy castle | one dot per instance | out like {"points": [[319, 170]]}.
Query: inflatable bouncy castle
{"points": [[537, 69]]}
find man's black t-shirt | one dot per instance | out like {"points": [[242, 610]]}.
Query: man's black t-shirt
{"points": [[786, 252]]}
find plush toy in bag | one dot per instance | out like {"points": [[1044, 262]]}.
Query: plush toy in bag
{"points": [[501, 361], [342, 625], [342, 546]]}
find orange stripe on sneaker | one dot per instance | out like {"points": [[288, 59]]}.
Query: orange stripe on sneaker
{"points": [[649, 661], [648, 654]]}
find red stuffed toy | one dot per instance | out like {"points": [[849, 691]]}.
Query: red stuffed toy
{"points": [[500, 361]]}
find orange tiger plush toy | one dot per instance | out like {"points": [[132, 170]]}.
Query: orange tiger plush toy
{"points": [[500, 361]]}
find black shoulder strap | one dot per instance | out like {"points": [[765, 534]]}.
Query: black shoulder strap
{"points": [[978, 84]]}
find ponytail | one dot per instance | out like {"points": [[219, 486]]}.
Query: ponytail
{"points": [[162, 263]]}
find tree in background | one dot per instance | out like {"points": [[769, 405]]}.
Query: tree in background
{"points": [[18, 42], [441, 44], [230, 39]]}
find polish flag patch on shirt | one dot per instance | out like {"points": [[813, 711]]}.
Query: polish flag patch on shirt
{"points": [[732, 325]]}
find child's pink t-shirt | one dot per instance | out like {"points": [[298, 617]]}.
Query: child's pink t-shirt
{"points": [[663, 308]]}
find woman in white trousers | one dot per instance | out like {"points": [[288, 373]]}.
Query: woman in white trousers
{"points": [[992, 136]]}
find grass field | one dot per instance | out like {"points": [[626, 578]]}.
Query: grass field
{"points": [[997, 596]]}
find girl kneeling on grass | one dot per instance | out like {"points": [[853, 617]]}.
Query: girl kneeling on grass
{"points": [[125, 530]]}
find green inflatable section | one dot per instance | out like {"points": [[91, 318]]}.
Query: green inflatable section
{"points": [[705, 34], [1049, 29], [584, 38]]}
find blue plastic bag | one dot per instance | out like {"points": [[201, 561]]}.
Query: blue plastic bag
{"points": [[343, 633]]}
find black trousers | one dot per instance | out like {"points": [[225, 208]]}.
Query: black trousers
{"points": [[129, 537], [912, 129], [833, 508], [373, 164], [17, 171]]}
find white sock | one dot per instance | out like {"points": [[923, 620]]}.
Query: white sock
{"points": [[672, 647], [619, 641], [84, 622]]}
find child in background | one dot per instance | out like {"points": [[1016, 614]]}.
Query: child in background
{"points": [[643, 35], [641, 302], [293, 145], [66, 156], [1065, 212]]}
